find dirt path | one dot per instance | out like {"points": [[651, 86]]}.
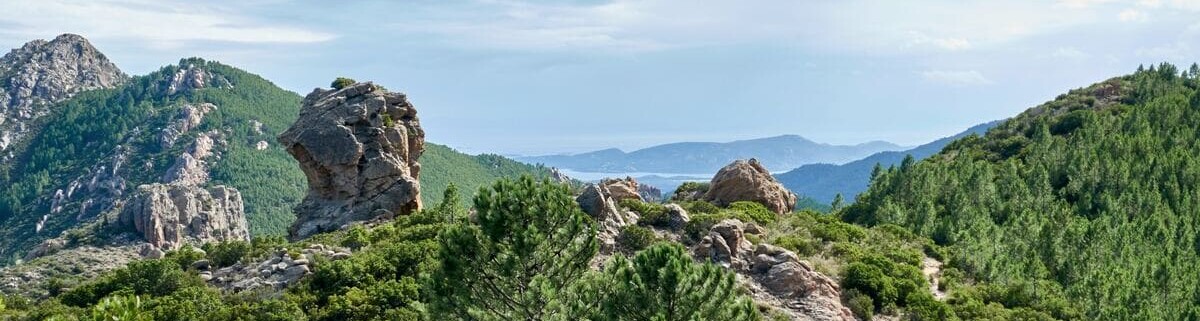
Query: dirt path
{"points": [[933, 271]]}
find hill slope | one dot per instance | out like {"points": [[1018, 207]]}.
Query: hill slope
{"points": [[781, 152], [1093, 193], [822, 182], [100, 145]]}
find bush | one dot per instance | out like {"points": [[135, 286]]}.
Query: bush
{"points": [[635, 238], [860, 304], [700, 207], [146, 277], [650, 214], [839, 232], [800, 245], [342, 82], [870, 280], [687, 191], [227, 253], [754, 211], [184, 256]]}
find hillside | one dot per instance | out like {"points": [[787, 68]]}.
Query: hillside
{"points": [[789, 151], [98, 146], [1092, 195], [822, 182]]}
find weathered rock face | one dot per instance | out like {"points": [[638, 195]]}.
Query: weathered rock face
{"points": [[601, 201], [358, 147], [747, 180], [775, 276], [190, 77], [269, 276], [171, 215], [650, 193], [42, 73]]}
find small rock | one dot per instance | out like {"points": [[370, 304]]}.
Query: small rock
{"points": [[201, 265], [340, 256]]}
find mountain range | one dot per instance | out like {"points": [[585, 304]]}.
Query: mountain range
{"points": [[823, 182], [776, 153]]}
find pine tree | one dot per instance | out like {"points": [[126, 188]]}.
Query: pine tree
{"points": [[527, 243], [663, 283], [838, 202]]}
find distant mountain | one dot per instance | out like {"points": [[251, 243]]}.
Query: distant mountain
{"points": [[823, 181], [776, 153]]}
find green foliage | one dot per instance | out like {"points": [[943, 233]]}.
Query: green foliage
{"points": [[1093, 192], [634, 238], [146, 277], [227, 253], [442, 166], [529, 241], [650, 214], [190, 304], [342, 82], [689, 191], [184, 256], [120, 308], [860, 304], [663, 283], [755, 211]]}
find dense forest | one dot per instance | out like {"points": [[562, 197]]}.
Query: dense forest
{"points": [[1092, 195]]}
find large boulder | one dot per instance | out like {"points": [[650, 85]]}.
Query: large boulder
{"points": [[748, 180], [602, 201], [358, 146], [170, 215]]}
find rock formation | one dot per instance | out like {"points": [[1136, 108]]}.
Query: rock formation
{"points": [[358, 146], [42, 73], [650, 193], [602, 202], [171, 215], [190, 77], [774, 276], [747, 180], [270, 275]]}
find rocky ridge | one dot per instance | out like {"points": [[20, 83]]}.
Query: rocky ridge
{"points": [[42, 73], [169, 216], [358, 146]]}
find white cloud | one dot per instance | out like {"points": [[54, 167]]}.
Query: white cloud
{"points": [[948, 44], [1178, 51], [956, 77], [159, 25]]}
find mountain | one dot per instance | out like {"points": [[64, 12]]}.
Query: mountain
{"points": [[788, 151], [1091, 196], [823, 182], [90, 151], [41, 73]]}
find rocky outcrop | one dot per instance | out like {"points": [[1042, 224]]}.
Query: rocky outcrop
{"points": [[272, 274], [773, 275], [190, 116], [189, 77], [602, 201], [42, 73], [747, 180], [650, 193], [358, 147], [171, 215], [191, 167]]}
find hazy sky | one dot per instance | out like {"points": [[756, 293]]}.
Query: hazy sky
{"points": [[534, 77]]}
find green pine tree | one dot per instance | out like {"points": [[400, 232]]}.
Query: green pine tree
{"points": [[527, 243], [662, 283]]}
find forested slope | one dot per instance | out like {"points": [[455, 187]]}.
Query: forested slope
{"points": [[1094, 193]]}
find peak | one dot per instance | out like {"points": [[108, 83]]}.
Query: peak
{"points": [[70, 37]]}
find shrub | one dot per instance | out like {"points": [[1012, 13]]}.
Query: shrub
{"points": [[839, 232], [801, 245], [700, 207], [687, 191], [190, 304], [754, 211], [120, 308], [146, 277], [356, 238], [870, 280], [635, 238], [860, 304], [342, 82], [227, 253], [184, 256], [650, 214]]}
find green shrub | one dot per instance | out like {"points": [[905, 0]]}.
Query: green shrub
{"points": [[356, 238], [650, 214], [686, 190], [120, 308], [755, 211], [860, 304], [801, 245], [190, 304], [145, 277], [839, 232], [184, 256], [634, 238], [699, 207], [870, 280], [342, 82], [227, 253]]}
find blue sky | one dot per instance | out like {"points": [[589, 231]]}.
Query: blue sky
{"points": [[533, 77]]}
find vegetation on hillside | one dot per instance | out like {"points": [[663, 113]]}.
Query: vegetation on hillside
{"points": [[1091, 195]]}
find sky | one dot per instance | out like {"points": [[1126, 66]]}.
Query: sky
{"points": [[546, 77]]}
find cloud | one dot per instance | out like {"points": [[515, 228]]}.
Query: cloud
{"points": [[956, 77], [1178, 51], [159, 25]]}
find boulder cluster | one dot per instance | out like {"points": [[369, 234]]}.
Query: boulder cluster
{"points": [[602, 201], [773, 274], [273, 273], [358, 146]]}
